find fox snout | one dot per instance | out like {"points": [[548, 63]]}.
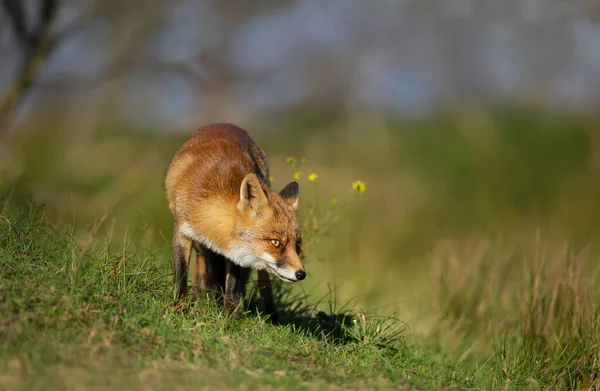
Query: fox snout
{"points": [[288, 275], [290, 268]]}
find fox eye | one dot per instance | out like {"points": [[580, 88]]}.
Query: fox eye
{"points": [[276, 243]]}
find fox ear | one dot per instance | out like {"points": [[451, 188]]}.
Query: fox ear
{"points": [[252, 194], [290, 194]]}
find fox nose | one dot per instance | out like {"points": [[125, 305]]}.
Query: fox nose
{"points": [[300, 275]]}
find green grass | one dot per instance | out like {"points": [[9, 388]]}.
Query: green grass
{"points": [[479, 231], [75, 315], [537, 311]]}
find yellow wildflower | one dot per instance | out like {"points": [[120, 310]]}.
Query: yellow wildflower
{"points": [[271, 179], [297, 175], [359, 186], [291, 160], [303, 160], [312, 177]]}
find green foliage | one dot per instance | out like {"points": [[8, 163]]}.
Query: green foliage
{"points": [[539, 310], [79, 315]]}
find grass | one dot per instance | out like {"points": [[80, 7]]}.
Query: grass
{"points": [[76, 315], [538, 310], [479, 231]]}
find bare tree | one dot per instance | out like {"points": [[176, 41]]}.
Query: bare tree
{"points": [[131, 31], [36, 43]]}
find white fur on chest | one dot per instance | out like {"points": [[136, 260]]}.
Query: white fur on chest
{"points": [[239, 255], [189, 231]]}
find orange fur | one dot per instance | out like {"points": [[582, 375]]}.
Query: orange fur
{"points": [[218, 192]]}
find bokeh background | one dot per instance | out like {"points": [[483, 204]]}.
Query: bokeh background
{"points": [[473, 123]]}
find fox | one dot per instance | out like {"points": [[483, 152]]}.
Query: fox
{"points": [[219, 194]]}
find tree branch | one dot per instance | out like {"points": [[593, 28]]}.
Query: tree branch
{"points": [[37, 46], [14, 10]]}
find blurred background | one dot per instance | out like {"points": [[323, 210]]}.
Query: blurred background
{"points": [[174, 64], [473, 123]]}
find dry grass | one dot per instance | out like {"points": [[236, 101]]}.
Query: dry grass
{"points": [[533, 310]]}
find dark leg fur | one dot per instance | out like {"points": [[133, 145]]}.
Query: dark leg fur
{"points": [[266, 295], [236, 278], [217, 274], [182, 247], [210, 270], [215, 271]]}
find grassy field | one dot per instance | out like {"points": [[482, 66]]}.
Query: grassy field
{"points": [[469, 263], [76, 316]]}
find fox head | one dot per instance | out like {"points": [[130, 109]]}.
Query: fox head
{"points": [[267, 231]]}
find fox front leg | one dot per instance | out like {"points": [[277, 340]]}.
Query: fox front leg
{"points": [[210, 270], [236, 278], [182, 247], [266, 295]]}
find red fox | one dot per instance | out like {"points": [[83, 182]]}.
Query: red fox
{"points": [[219, 194]]}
